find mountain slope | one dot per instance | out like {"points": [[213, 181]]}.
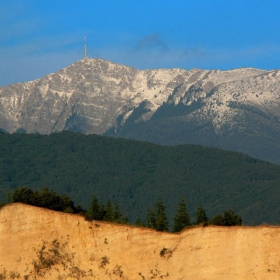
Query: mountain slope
{"points": [[91, 250], [237, 109], [137, 174]]}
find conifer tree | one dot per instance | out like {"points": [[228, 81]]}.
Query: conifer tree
{"points": [[201, 217], [95, 211], [161, 219], [182, 218], [116, 212], [118, 217], [151, 219], [109, 216]]}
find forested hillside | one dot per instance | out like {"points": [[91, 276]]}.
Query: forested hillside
{"points": [[136, 174]]}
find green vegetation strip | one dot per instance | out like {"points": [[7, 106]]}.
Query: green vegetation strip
{"points": [[137, 174]]}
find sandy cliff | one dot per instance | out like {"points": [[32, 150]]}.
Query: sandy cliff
{"points": [[77, 249]]}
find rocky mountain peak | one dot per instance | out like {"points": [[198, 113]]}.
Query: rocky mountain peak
{"points": [[99, 96]]}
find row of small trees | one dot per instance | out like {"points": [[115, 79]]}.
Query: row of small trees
{"points": [[110, 212], [182, 218], [157, 218]]}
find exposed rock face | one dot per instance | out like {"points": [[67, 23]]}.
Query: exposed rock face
{"points": [[97, 250], [85, 96], [227, 109]]}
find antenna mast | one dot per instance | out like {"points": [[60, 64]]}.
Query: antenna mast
{"points": [[85, 50]]}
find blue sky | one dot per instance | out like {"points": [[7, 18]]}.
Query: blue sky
{"points": [[38, 37]]}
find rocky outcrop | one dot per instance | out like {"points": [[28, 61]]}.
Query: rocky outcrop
{"points": [[78, 249]]}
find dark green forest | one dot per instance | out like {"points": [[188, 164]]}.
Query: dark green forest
{"points": [[137, 174], [171, 124]]}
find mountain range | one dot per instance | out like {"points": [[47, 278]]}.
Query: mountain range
{"points": [[237, 110]]}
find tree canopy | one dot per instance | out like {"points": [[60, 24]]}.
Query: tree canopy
{"points": [[46, 199]]}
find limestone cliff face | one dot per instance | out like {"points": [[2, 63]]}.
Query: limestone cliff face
{"points": [[97, 250]]}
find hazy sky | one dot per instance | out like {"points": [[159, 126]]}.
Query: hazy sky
{"points": [[38, 37]]}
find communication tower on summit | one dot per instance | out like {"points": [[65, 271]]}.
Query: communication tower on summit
{"points": [[85, 50]]}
